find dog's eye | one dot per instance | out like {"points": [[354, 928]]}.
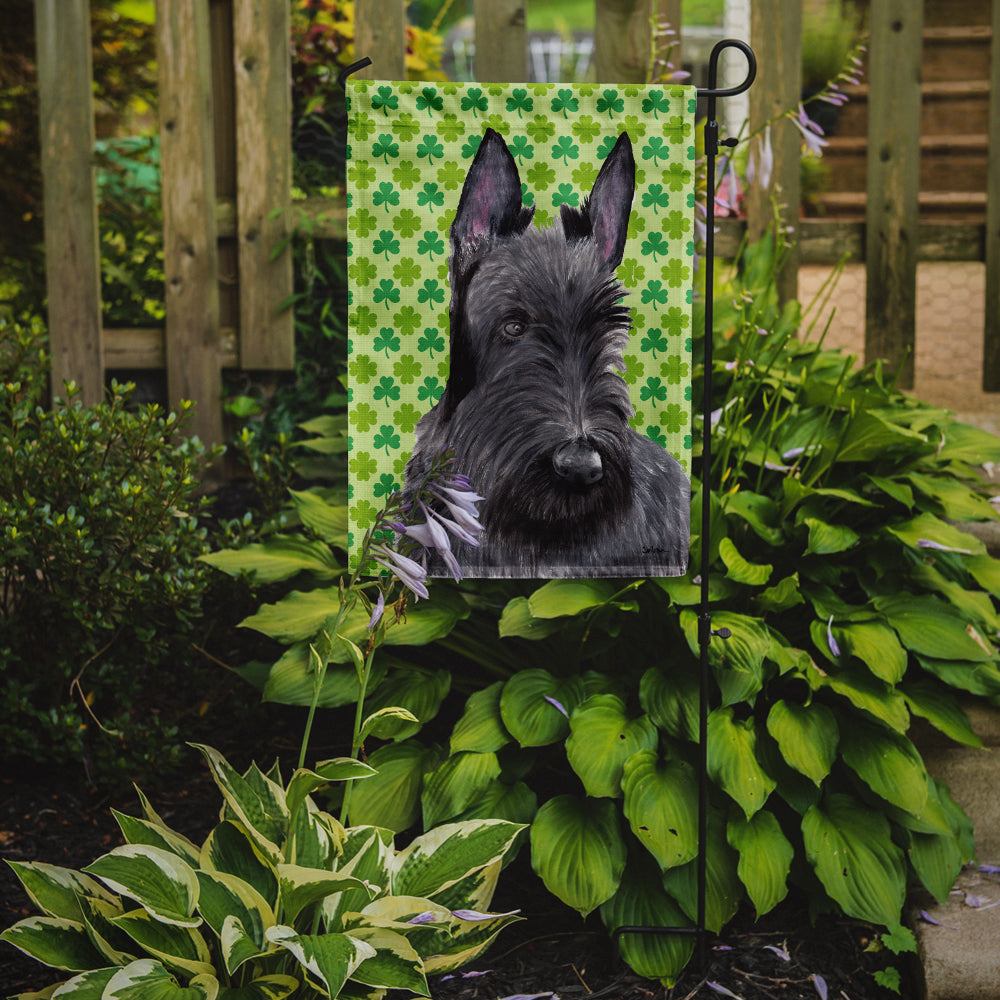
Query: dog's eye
{"points": [[514, 328]]}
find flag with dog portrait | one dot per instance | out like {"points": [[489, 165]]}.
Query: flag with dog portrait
{"points": [[520, 274]]}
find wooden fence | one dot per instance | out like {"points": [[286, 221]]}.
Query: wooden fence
{"points": [[226, 160]]}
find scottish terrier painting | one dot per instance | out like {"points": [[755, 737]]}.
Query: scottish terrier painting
{"points": [[536, 409]]}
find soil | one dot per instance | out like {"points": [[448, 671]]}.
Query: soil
{"points": [[550, 953]]}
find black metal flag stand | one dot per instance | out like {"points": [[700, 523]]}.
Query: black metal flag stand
{"points": [[705, 631]]}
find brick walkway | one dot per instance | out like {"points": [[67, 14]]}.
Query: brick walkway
{"points": [[950, 312]]}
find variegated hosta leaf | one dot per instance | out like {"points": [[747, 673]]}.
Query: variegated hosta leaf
{"points": [[602, 737], [116, 946], [56, 891], [304, 782], [274, 987], [395, 964], [850, 847], [141, 831], [301, 887], [230, 849], [441, 857], [578, 851], [225, 897], [315, 838], [468, 939], [256, 801], [807, 736], [723, 889], [457, 784], [476, 890], [765, 858], [329, 959], [642, 902], [54, 941], [732, 760], [481, 728], [158, 880], [147, 979], [661, 799], [367, 853], [177, 947], [86, 986]]}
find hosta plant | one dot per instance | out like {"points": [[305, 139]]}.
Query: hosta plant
{"points": [[279, 900]]}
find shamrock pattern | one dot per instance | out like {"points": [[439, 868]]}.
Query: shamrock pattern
{"points": [[410, 147]]}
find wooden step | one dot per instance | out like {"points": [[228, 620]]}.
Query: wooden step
{"points": [[947, 162], [947, 106], [956, 53], [957, 206], [940, 13]]}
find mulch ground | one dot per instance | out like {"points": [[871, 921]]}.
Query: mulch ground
{"points": [[551, 953]]}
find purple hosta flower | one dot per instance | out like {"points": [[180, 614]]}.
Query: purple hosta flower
{"points": [[760, 165], [820, 984], [410, 573], [928, 543], [377, 612], [558, 705], [831, 642], [727, 197], [811, 132], [427, 917], [989, 869], [780, 952], [475, 915], [719, 988]]}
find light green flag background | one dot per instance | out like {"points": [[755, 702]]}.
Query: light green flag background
{"points": [[410, 146]]}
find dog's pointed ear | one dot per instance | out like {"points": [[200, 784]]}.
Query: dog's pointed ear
{"points": [[491, 196], [610, 201]]}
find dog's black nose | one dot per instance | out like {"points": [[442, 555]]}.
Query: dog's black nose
{"points": [[578, 464]]}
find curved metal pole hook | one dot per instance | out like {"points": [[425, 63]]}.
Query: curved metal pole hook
{"points": [[713, 90], [348, 70]]}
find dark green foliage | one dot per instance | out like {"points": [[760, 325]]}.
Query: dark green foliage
{"points": [[99, 539]]}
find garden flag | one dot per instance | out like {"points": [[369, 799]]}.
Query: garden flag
{"points": [[520, 286]]}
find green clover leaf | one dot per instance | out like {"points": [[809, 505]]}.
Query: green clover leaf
{"points": [[674, 369], [653, 150], [677, 177], [405, 126], [430, 100], [386, 292], [654, 391], [386, 438], [362, 369], [407, 223], [431, 244], [430, 148], [675, 272], [565, 195], [386, 389], [363, 466], [364, 320], [406, 418], [385, 100], [469, 150], [654, 244], [520, 101], [676, 224], [656, 435], [540, 128], [521, 149], [362, 127], [655, 103], [498, 123], [655, 197], [586, 129], [565, 102], [540, 176], [406, 174], [635, 127], [386, 243], [431, 341], [475, 101], [386, 485], [430, 195], [363, 417], [406, 320], [565, 149], [585, 174], [676, 129], [386, 341], [430, 291], [406, 369], [672, 418], [363, 222], [362, 271], [654, 292], [386, 195], [385, 148], [653, 341], [406, 271], [362, 174], [610, 103], [450, 128], [430, 389]]}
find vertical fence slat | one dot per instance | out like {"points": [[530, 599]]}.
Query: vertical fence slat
{"points": [[262, 64], [991, 333], [776, 35], [380, 34], [893, 183], [72, 257], [190, 253], [622, 40], [501, 43]]}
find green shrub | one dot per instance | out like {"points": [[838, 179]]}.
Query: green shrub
{"points": [[99, 541], [279, 900]]}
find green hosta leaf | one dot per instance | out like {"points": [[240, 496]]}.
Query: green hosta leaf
{"points": [[641, 901], [732, 760], [559, 598], [958, 502], [275, 987], [869, 436], [367, 854], [602, 738], [671, 700], [456, 784], [528, 714], [723, 889], [327, 520], [279, 558], [230, 849], [391, 798], [515, 803], [783, 595], [395, 964], [976, 605], [578, 851], [415, 689], [517, 620], [301, 887], [888, 763], [330, 959], [180, 948], [976, 678], [661, 798], [965, 443], [827, 539], [86, 986], [758, 511], [752, 574], [56, 891], [864, 692], [765, 858], [807, 736], [141, 831], [932, 628], [387, 722], [850, 848], [304, 782], [928, 528], [260, 809], [292, 680], [238, 944], [440, 858], [159, 881], [876, 646], [147, 979], [941, 709], [54, 941], [986, 571], [937, 859], [738, 661], [481, 728], [98, 916], [226, 898]]}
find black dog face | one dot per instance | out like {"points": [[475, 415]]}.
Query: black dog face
{"points": [[536, 409]]}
